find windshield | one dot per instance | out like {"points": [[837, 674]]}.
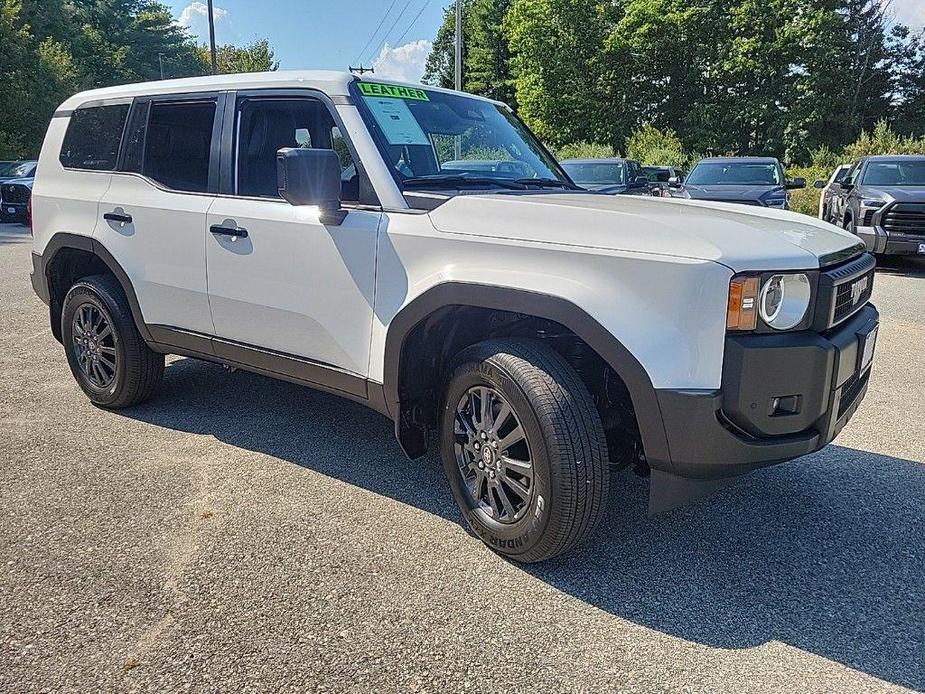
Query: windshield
{"points": [[595, 173], [428, 135], [17, 169], [895, 173], [735, 174]]}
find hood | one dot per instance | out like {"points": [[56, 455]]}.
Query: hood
{"points": [[731, 193], [893, 193], [606, 188], [742, 238]]}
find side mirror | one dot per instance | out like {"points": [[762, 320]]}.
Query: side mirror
{"points": [[846, 186], [311, 177], [796, 184], [675, 181], [641, 181], [819, 185]]}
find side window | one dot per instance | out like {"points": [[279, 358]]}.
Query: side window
{"points": [[266, 125], [93, 137], [178, 144], [852, 176]]}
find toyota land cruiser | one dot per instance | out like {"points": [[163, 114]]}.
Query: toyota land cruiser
{"points": [[325, 229]]}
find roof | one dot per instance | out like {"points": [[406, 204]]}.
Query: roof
{"points": [[332, 83], [743, 160], [894, 157], [608, 160]]}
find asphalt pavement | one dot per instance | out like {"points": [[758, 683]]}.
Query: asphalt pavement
{"points": [[242, 534]]}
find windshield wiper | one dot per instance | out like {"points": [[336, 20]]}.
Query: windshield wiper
{"points": [[461, 180], [545, 183]]}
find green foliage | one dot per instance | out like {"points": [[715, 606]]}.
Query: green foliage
{"points": [[649, 145], [585, 150], [486, 56], [50, 49], [884, 141], [775, 77], [253, 57]]}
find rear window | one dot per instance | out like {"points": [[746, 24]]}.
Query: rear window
{"points": [[93, 137]]}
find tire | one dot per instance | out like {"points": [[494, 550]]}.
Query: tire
{"points": [[564, 443], [114, 367]]}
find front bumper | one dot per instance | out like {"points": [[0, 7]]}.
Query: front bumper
{"points": [[882, 242], [782, 396], [14, 212]]}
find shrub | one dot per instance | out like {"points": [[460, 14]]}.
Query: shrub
{"points": [[585, 150]]}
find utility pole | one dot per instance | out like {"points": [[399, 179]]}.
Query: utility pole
{"points": [[457, 141], [212, 39], [160, 62], [459, 45]]}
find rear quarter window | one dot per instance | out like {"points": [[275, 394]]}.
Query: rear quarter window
{"points": [[93, 137]]}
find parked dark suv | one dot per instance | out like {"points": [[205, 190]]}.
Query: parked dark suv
{"points": [[745, 180], [15, 191], [882, 200]]}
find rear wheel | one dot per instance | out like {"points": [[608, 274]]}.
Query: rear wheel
{"points": [[108, 357], [524, 449]]}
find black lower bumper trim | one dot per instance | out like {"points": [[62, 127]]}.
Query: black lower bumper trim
{"points": [[728, 432]]}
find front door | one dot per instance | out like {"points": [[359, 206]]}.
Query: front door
{"points": [[288, 284]]}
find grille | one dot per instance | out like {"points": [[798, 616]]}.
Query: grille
{"points": [[15, 193], [868, 218], [905, 218], [843, 291], [850, 392]]}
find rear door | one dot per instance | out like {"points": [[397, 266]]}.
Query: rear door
{"points": [[294, 286], [153, 214]]}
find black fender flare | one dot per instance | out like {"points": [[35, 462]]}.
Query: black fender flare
{"points": [[562, 311], [64, 240]]}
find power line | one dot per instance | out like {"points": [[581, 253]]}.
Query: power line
{"points": [[373, 35], [413, 22], [391, 28]]}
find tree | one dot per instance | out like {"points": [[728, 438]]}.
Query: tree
{"points": [[650, 145], [910, 81], [253, 57], [50, 49], [557, 61], [486, 56]]}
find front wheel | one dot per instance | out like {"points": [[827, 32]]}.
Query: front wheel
{"points": [[524, 449]]}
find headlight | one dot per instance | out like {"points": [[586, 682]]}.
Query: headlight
{"points": [[872, 204], [779, 203], [784, 300]]}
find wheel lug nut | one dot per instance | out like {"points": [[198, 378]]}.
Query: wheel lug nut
{"points": [[481, 465], [494, 444], [476, 445], [484, 435]]}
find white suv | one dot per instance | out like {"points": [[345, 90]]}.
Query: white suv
{"points": [[325, 229]]}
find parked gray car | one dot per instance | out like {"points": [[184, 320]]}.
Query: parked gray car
{"points": [[611, 176], [882, 200]]}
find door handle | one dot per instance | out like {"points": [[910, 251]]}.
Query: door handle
{"points": [[221, 230], [118, 217]]}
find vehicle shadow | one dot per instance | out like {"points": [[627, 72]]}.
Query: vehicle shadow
{"points": [[825, 554], [905, 265], [14, 233]]}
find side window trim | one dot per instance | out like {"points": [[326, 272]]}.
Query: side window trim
{"points": [[215, 146], [227, 177], [99, 103]]}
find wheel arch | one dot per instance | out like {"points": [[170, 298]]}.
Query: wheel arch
{"points": [[87, 256], [533, 304]]}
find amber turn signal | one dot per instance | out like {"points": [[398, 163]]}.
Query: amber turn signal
{"points": [[742, 313]]}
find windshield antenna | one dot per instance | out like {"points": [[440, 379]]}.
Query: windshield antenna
{"points": [[361, 70]]}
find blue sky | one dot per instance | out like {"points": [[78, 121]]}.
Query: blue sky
{"points": [[326, 34], [332, 33]]}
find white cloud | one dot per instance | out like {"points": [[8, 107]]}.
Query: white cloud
{"points": [[195, 17], [403, 63]]}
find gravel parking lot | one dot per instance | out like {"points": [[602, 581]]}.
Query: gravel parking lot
{"points": [[238, 533]]}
